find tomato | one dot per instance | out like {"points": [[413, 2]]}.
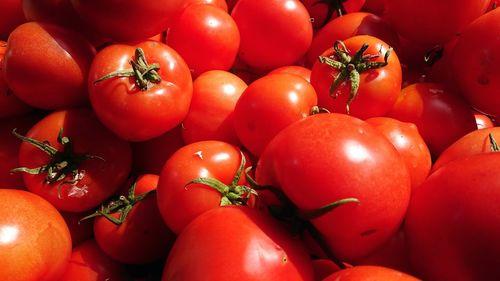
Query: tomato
{"points": [[9, 147], [374, 6], [475, 142], [413, 20], [58, 78], [35, 244], [237, 243], [204, 159], [282, 98], [368, 273], [135, 108], [275, 35], [11, 15], [410, 145], [453, 221], [376, 89], [79, 175], [483, 121], [206, 37], [440, 115], [89, 262], [210, 115], [323, 11], [341, 28], [301, 71], [477, 51], [141, 236], [327, 157]]}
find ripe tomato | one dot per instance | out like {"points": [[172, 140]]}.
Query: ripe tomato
{"points": [[58, 78], [282, 98], [483, 121], [79, 175], [11, 15], [142, 236], [413, 20], [370, 92], [135, 108], [237, 243], [210, 115], [35, 244], [440, 115], [368, 273], [275, 35], [323, 11], [301, 71], [327, 157], [477, 49], [453, 221], [204, 159], [206, 37]]}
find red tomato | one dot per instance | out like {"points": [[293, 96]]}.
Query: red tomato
{"points": [[58, 78], [35, 244], [378, 88], [11, 15], [341, 28], [89, 262], [276, 34], [412, 19], [210, 115], [268, 105], [477, 48], [328, 157], [453, 222], [237, 243], [440, 115], [206, 37], [483, 121], [82, 173], [323, 11], [142, 236], [294, 69], [369, 273], [205, 159], [135, 108], [410, 145]]}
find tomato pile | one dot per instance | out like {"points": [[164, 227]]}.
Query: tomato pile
{"points": [[313, 140]]}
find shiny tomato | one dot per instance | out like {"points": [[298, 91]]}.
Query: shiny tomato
{"points": [[138, 108], [35, 244], [369, 273], [276, 34], [210, 115], [483, 121], [58, 79], [237, 243], [360, 90], [82, 162]]}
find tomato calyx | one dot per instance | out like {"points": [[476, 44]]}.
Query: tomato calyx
{"points": [[232, 194], [333, 6], [123, 205], [493, 143], [350, 67], [62, 162], [145, 74]]}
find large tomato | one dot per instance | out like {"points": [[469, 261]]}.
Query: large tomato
{"points": [[453, 221], [366, 73], [140, 107], [237, 243], [35, 244], [46, 65], [328, 157], [72, 160], [369, 273]]}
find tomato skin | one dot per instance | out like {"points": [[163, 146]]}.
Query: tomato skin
{"points": [[100, 177], [328, 157], [275, 36], [477, 49], [432, 107], [57, 80], [452, 226], [318, 10], [35, 244], [301, 71], [206, 37], [215, 159], [369, 273], [211, 112], [143, 237], [483, 121], [282, 98], [126, 109], [237, 243], [11, 15], [378, 88]]}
